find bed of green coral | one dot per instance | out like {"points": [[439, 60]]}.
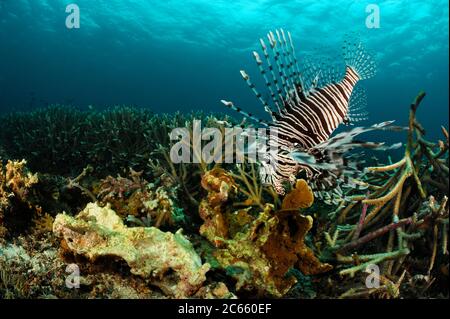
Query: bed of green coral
{"points": [[91, 206]]}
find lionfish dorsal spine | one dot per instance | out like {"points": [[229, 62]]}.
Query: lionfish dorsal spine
{"points": [[297, 73], [258, 95], [359, 59], [270, 67], [285, 61], [306, 107], [266, 80], [231, 105], [357, 106], [288, 59]]}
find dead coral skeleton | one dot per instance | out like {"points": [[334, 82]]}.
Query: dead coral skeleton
{"points": [[43, 223], [30, 269], [397, 194], [12, 284], [76, 182]]}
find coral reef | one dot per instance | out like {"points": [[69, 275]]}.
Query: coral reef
{"points": [[242, 239], [264, 250], [35, 269], [150, 253], [51, 137], [188, 175], [16, 187], [220, 186], [28, 199], [260, 258], [48, 138], [136, 198], [396, 206]]}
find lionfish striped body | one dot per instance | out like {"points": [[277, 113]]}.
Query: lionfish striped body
{"points": [[306, 116], [311, 120]]}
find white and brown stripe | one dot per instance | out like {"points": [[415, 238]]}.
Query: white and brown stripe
{"points": [[305, 117]]}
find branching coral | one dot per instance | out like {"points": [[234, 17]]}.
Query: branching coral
{"points": [[43, 224], [188, 175], [253, 190], [262, 241], [48, 138], [117, 190], [397, 194], [110, 140], [130, 140], [18, 179], [4, 202], [76, 182]]}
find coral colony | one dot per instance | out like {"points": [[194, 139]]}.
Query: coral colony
{"points": [[125, 203]]}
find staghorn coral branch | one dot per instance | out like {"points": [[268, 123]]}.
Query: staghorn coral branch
{"points": [[345, 212], [75, 183], [434, 251], [382, 200], [400, 195], [440, 186], [360, 225], [397, 202], [387, 167], [377, 217], [386, 186], [411, 168], [445, 132], [370, 260], [376, 233]]}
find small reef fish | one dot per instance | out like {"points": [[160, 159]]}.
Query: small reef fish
{"points": [[306, 112]]}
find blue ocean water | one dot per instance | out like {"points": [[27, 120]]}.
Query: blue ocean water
{"points": [[186, 54]]}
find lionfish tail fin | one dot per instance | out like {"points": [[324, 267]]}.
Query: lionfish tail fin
{"points": [[359, 58], [319, 70]]}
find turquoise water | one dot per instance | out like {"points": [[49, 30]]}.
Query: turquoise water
{"points": [[186, 54]]}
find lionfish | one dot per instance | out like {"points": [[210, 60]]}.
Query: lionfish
{"points": [[306, 113]]}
